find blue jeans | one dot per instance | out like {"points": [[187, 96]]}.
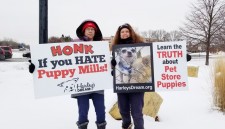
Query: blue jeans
{"points": [[131, 103], [83, 107]]}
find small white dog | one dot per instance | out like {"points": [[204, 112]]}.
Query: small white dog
{"points": [[126, 58]]}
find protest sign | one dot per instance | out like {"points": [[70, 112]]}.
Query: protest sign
{"points": [[170, 66], [70, 68], [144, 67], [133, 71]]}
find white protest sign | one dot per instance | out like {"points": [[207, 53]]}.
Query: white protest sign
{"points": [[70, 68], [149, 67], [170, 66]]}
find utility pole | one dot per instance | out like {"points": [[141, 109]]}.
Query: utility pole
{"points": [[43, 21]]}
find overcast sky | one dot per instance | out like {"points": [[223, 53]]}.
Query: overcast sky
{"points": [[19, 19]]}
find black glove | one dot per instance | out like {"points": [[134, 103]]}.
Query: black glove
{"points": [[113, 62], [188, 57], [31, 67], [28, 55], [112, 72]]}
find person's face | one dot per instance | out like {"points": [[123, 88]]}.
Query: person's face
{"points": [[124, 33], [89, 32]]}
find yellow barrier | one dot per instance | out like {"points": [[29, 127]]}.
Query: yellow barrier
{"points": [[152, 103], [193, 71]]}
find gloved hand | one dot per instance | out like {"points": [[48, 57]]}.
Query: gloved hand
{"points": [[28, 55], [113, 62], [188, 57], [31, 67], [112, 72]]}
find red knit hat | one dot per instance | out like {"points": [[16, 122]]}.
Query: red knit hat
{"points": [[80, 33], [89, 24]]}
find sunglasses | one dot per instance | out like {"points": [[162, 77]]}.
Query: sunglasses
{"points": [[125, 50]]}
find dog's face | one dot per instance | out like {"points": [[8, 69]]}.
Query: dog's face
{"points": [[69, 85], [128, 54]]}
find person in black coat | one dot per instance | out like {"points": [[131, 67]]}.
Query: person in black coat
{"points": [[130, 104]]}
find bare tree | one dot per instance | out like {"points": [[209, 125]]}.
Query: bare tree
{"points": [[148, 35], [220, 39], [156, 35], [175, 36], [161, 35], [204, 22]]}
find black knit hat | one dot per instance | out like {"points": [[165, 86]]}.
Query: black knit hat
{"points": [[80, 33], [126, 25]]}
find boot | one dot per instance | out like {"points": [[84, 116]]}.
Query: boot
{"points": [[129, 127], [101, 125], [157, 119], [83, 125]]}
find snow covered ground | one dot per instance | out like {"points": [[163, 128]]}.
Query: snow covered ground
{"points": [[18, 54], [192, 109]]}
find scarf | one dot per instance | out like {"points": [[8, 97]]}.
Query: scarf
{"points": [[126, 41]]}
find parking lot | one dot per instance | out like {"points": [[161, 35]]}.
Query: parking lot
{"points": [[17, 57]]}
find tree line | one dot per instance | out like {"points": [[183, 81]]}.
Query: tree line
{"points": [[13, 44], [204, 28]]}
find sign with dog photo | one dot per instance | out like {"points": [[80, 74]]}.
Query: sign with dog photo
{"points": [[134, 69], [149, 67], [70, 68]]}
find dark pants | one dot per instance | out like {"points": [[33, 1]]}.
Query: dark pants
{"points": [[131, 103], [83, 105]]}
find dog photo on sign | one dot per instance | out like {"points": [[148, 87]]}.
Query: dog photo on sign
{"points": [[133, 65]]}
